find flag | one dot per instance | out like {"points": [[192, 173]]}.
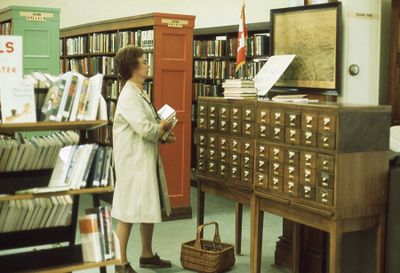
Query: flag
{"points": [[242, 36]]}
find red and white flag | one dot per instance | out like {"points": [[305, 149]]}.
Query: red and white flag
{"points": [[242, 37]]}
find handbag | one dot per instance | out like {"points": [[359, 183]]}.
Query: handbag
{"points": [[206, 256]]}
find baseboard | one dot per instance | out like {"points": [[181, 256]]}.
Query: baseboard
{"points": [[178, 214]]}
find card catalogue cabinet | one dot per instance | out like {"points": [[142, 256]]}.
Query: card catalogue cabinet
{"points": [[319, 164]]}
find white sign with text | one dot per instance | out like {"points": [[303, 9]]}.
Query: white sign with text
{"points": [[11, 56]]}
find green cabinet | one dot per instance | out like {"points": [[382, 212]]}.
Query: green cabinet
{"points": [[40, 31]]}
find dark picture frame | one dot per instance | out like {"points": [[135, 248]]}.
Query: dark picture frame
{"points": [[312, 33]]}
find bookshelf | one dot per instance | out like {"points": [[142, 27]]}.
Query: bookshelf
{"points": [[214, 58], [65, 257], [168, 41], [40, 30]]}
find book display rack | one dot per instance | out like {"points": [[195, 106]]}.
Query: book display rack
{"points": [[67, 255], [168, 41]]}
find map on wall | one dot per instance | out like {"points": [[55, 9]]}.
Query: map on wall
{"points": [[311, 36]]}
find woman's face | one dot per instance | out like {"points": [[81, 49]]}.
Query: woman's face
{"points": [[141, 71]]}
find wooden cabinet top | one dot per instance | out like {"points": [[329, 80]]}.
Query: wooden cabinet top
{"points": [[139, 21]]}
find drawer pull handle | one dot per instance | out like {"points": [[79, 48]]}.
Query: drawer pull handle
{"points": [[309, 119], [291, 185], [276, 151], [277, 115], [248, 126], [308, 157], [212, 152], [223, 110], [212, 122], [246, 146], [211, 165], [325, 139], [325, 178], [292, 133], [307, 189], [223, 141], [262, 129], [223, 154], [246, 173], [235, 111], [223, 123], [248, 112], [212, 109], [261, 163], [291, 170], [234, 157], [222, 168], [263, 114], [325, 162], [246, 159], [276, 166], [202, 108], [291, 154], [262, 149], [324, 195], [260, 178], [327, 121], [324, 184], [308, 135]]}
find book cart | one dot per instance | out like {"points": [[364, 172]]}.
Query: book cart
{"points": [[317, 165], [66, 258]]}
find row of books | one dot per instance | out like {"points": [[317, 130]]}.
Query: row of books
{"points": [[103, 135], [108, 42], [99, 242], [111, 106], [39, 152], [36, 213], [102, 64], [112, 88], [209, 69], [5, 28], [258, 45], [206, 90], [74, 97], [80, 166]]}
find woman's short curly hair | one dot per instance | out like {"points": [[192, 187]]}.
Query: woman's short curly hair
{"points": [[127, 60]]}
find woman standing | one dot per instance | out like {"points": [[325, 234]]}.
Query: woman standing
{"points": [[141, 191]]}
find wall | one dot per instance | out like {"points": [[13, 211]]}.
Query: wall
{"points": [[208, 12]]}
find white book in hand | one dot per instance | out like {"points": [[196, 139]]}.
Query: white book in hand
{"points": [[169, 114]]}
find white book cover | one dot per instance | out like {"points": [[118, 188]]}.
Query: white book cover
{"points": [[46, 212], [30, 205], [54, 209], [102, 110], [3, 214], [90, 238], [67, 77], [14, 151], [79, 87], [17, 101], [59, 174], [94, 93]]}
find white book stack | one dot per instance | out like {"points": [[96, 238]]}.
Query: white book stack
{"points": [[169, 114], [239, 89]]}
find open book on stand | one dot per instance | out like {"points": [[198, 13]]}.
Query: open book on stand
{"points": [[169, 114]]}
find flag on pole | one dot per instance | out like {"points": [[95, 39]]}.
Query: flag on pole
{"points": [[242, 37]]}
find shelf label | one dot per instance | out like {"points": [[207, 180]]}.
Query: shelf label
{"points": [[36, 16], [364, 15], [174, 22]]}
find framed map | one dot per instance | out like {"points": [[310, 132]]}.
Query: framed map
{"points": [[311, 33]]}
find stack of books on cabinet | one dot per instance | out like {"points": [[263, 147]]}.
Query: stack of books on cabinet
{"points": [[239, 89]]}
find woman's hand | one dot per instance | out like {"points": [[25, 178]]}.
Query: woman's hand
{"points": [[165, 125], [171, 138]]}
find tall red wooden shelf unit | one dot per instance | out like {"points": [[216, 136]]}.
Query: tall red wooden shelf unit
{"points": [[170, 83]]}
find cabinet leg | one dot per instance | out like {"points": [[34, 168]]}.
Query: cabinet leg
{"points": [[238, 227], [257, 220], [200, 205], [380, 243], [296, 239], [335, 247]]}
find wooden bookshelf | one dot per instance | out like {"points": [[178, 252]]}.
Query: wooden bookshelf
{"points": [[51, 126], [54, 260], [58, 259], [47, 194], [169, 82], [40, 29]]}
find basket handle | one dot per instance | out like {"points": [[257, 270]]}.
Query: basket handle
{"points": [[217, 238]]}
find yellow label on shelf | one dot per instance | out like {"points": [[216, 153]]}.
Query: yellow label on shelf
{"points": [[174, 22], [35, 16]]}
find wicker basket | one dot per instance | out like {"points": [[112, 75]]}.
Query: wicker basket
{"points": [[207, 256]]}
